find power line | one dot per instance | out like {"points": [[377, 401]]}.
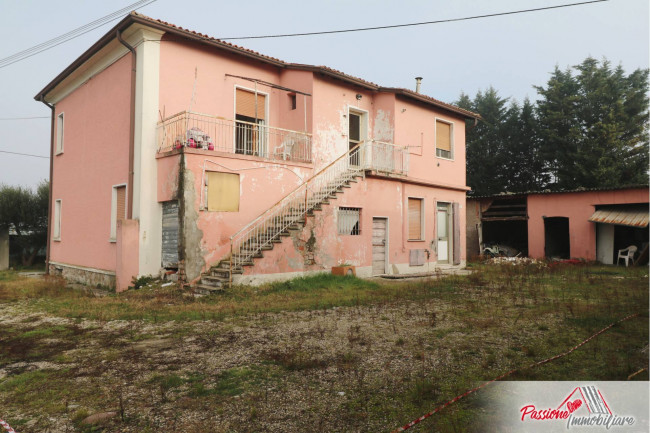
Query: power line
{"points": [[29, 52], [363, 29], [24, 154], [24, 118]]}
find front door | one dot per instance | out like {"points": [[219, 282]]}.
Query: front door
{"points": [[379, 245], [442, 223]]}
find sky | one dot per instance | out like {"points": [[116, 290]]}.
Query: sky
{"points": [[512, 53]]}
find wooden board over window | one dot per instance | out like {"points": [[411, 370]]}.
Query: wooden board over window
{"points": [[415, 219], [223, 192], [121, 203], [443, 136], [245, 105]]}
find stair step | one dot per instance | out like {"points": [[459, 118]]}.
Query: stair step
{"points": [[204, 289], [215, 281]]}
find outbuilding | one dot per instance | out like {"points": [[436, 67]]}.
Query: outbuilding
{"points": [[590, 224]]}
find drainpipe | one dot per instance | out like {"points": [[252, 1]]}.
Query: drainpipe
{"points": [[132, 124], [49, 206]]}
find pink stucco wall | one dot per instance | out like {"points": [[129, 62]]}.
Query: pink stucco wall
{"points": [[377, 198], [184, 66], [95, 157], [578, 207], [127, 249]]}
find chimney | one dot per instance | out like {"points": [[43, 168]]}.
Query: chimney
{"points": [[418, 81]]}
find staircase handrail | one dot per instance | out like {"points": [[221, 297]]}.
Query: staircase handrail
{"points": [[297, 200]]}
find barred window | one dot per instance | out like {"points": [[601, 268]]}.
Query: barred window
{"points": [[349, 221]]}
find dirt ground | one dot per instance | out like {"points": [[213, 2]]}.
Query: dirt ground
{"points": [[342, 369]]}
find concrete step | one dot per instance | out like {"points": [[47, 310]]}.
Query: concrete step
{"points": [[203, 289], [215, 281]]}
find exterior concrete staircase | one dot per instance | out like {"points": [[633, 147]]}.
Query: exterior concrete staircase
{"points": [[288, 214]]}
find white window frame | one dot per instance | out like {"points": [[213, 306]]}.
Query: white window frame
{"points": [[56, 229], [346, 232], [451, 138], [60, 128], [265, 125], [422, 219], [113, 236]]}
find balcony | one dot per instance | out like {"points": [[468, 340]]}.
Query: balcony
{"points": [[212, 133], [387, 158]]}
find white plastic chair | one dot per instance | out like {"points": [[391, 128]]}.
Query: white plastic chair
{"points": [[626, 254]]}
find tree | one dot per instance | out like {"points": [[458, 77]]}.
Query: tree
{"points": [[594, 126], [485, 144], [25, 210], [525, 166]]}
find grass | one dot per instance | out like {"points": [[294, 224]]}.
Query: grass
{"points": [[387, 354]]}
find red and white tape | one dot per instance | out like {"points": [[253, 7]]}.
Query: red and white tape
{"points": [[7, 427], [544, 361]]}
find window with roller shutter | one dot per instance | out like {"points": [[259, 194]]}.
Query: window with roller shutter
{"points": [[415, 219], [118, 209], [444, 139], [250, 117]]}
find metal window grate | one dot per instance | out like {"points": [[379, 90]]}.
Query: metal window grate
{"points": [[349, 221]]}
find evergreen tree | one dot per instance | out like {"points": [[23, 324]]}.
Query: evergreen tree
{"points": [[485, 148], [525, 166], [594, 126]]}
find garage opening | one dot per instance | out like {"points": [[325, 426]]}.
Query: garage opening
{"points": [[619, 227], [505, 223], [556, 238]]}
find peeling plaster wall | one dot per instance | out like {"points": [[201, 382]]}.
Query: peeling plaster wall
{"points": [[261, 186], [376, 198], [192, 245], [415, 127], [168, 168]]}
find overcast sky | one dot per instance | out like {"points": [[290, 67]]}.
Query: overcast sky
{"points": [[511, 53]]}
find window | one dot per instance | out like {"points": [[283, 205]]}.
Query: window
{"points": [[250, 118], [349, 221], [416, 232], [118, 208], [292, 101], [59, 134], [444, 139], [223, 192], [57, 220]]}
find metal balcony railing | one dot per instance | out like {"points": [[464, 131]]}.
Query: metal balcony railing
{"points": [[202, 131]]}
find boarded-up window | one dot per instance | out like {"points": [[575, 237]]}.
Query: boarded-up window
{"points": [[249, 106], [59, 133], [223, 192], [349, 221], [443, 139], [118, 208], [57, 220], [415, 219]]}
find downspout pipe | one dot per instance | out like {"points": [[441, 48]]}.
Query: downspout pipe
{"points": [[49, 206], [132, 123]]}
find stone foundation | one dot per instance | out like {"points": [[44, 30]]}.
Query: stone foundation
{"points": [[87, 276]]}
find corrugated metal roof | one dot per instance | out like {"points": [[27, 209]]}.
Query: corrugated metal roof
{"points": [[550, 191], [633, 216]]}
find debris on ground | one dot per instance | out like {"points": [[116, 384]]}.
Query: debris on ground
{"points": [[516, 261]]}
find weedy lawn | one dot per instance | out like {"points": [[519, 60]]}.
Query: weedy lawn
{"points": [[322, 353]]}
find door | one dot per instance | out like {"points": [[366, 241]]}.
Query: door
{"points": [[356, 134], [442, 224], [170, 234], [556, 237], [379, 245]]}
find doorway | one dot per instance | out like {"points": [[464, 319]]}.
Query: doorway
{"points": [[443, 228], [357, 128], [556, 237], [379, 245]]}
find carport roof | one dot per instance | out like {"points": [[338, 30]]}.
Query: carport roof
{"points": [[633, 216]]}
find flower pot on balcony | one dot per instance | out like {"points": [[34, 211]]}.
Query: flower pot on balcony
{"points": [[344, 270]]}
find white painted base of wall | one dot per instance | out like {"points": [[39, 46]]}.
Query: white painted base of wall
{"points": [[362, 272]]}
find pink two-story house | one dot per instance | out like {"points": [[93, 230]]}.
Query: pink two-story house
{"points": [[175, 151]]}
